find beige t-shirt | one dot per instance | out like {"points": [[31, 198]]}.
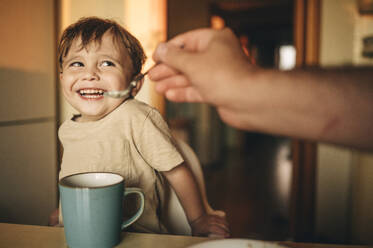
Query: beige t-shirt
{"points": [[133, 141]]}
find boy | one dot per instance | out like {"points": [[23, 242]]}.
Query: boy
{"points": [[123, 136]]}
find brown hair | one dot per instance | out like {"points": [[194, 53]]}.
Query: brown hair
{"points": [[92, 29]]}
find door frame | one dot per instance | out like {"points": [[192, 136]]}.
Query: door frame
{"points": [[304, 153]]}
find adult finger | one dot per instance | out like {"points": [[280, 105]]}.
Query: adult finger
{"points": [[176, 81], [161, 71], [187, 94]]}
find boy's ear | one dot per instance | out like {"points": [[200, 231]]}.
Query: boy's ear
{"points": [[138, 87], [61, 75]]}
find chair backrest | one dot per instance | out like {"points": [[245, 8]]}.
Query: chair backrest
{"points": [[175, 218]]}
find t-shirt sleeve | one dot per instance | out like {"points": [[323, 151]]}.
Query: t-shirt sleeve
{"points": [[156, 143]]}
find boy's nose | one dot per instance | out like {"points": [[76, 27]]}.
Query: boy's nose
{"points": [[91, 73]]}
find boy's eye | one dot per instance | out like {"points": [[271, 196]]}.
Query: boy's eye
{"points": [[76, 64], [107, 63]]}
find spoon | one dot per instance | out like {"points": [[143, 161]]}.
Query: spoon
{"points": [[126, 93]]}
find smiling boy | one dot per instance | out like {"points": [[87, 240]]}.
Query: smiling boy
{"points": [[123, 136], [91, 66]]}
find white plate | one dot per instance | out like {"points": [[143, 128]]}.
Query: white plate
{"points": [[236, 243]]}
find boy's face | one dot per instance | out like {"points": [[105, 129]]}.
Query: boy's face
{"points": [[87, 73]]}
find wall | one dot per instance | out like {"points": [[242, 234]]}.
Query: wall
{"points": [[344, 176], [28, 166], [334, 163], [362, 199], [362, 196]]}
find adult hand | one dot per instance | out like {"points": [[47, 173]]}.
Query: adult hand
{"points": [[200, 66]]}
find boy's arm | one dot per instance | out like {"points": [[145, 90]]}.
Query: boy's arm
{"points": [[183, 182]]}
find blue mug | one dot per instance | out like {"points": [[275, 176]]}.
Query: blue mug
{"points": [[92, 208]]}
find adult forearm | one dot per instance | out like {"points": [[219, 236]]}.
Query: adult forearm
{"points": [[326, 105]]}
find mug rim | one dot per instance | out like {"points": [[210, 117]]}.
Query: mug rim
{"points": [[64, 184]]}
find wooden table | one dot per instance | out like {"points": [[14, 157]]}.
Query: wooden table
{"points": [[14, 236]]}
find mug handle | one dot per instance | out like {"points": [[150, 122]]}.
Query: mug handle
{"points": [[137, 215]]}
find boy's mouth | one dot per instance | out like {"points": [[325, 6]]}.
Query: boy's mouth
{"points": [[91, 93]]}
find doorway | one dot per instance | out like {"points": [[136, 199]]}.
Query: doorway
{"points": [[252, 179], [233, 159]]}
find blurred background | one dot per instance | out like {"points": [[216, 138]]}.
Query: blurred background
{"points": [[272, 188]]}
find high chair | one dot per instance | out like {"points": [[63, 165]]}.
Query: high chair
{"points": [[175, 218]]}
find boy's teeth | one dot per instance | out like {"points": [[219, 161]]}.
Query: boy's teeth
{"points": [[90, 91]]}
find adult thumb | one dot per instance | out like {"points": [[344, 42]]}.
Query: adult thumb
{"points": [[173, 56]]}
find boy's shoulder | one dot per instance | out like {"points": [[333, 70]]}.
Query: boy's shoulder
{"points": [[136, 106], [137, 109]]}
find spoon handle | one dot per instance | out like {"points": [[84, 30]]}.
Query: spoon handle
{"points": [[125, 93]]}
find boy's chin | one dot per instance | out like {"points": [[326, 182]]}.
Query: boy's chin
{"points": [[97, 110]]}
